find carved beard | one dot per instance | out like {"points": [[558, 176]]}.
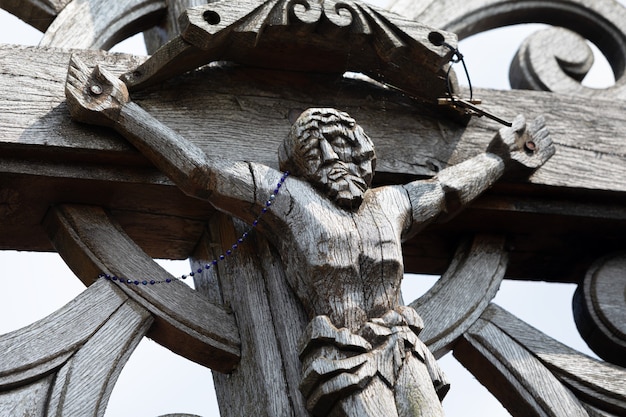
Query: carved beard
{"points": [[342, 183]]}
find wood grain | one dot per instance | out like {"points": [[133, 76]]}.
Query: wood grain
{"points": [[270, 320], [313, 37], [27, 400], [514, 376], [70, 172], [229, 109], [37, 13], [600, 308], [84, 384], [30, 356], [498, 332], [234, 107], [545, 60], [100, 23], [320, 257], [240, 106], [90, 243], [68, 362], [460, 296], [169, 26]]}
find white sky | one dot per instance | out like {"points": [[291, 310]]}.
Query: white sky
{"points": [[156, 382]]}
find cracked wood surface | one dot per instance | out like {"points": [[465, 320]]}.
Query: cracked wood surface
{"points": [[185, 322], [46, 158]]}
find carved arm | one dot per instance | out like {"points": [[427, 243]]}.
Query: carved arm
{"points": [[100, 98], [515, 151]]}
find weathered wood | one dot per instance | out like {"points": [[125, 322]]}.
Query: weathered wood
{"points": [[169, 27], [233, 108], [333, 377], [270, 321], [130, 186], [513, 375], [29, 356], [318, 36], [339, 240], [598, 165], [554, 59], [27, 400], [72, 370], [536, 233], [602, 20], [233, 187], [37, 108], [37, 13], [186, 323], [594, 412], [460, 296], [539, 63], [597, 383], [600, 308], [101, 24], [84, 384]]}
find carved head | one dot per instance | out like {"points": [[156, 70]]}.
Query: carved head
{"points": [[331, 151]]}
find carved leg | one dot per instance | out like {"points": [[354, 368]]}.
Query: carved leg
{"points": [[415, 393], [383, 371], [376, 399], [415, 396]]}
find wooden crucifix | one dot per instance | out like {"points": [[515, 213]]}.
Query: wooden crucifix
{"points": [[307, 316], [339, 240]]}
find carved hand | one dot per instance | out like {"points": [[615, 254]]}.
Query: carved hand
{"points": [[523, 147], [95, 97]]}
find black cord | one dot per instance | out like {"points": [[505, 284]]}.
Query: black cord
{"points": [[457, 56]]}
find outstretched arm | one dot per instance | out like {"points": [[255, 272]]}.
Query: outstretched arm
{"points": [[516, 151], [100, 98]]}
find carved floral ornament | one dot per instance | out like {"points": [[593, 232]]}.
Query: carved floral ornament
{"points": [[480, 330]]}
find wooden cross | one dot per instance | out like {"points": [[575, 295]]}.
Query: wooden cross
{"points": [[68, 187]]}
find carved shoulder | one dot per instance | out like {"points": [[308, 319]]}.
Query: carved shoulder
{"points": [[427, 199]]}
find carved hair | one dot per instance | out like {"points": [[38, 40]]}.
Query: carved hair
{"points": [[319, 122]]}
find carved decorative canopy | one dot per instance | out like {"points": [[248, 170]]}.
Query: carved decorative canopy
{"points": [[325, 36]]}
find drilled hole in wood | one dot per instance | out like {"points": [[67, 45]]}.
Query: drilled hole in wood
{"points": [[211, 17], [436, 38], [530, 147]]}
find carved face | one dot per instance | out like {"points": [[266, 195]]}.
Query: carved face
{"points": [[328, 148]]}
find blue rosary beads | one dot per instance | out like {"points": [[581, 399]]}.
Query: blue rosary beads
{"points": [[215, 261]]}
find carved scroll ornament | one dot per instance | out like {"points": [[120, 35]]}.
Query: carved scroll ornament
{"points": [[554, 59], [600, 308]]}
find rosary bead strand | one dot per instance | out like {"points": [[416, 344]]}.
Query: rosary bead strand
{"points": [[214, 262]]}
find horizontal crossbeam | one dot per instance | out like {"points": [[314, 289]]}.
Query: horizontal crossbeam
{"points": [[238, 113]]}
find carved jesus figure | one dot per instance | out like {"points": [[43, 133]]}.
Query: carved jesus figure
{"points": [[339, 238]]}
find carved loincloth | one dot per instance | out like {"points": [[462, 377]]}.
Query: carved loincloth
{"points": [[338, 364]]}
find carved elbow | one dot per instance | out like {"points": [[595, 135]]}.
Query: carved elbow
{"points": [[453, 201], [198, 183]]}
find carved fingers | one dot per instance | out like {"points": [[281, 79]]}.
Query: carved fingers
{"points": [[524, 146], [94, 97]]}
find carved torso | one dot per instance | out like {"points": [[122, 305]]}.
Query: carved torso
{"points": [[344, 264]]}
